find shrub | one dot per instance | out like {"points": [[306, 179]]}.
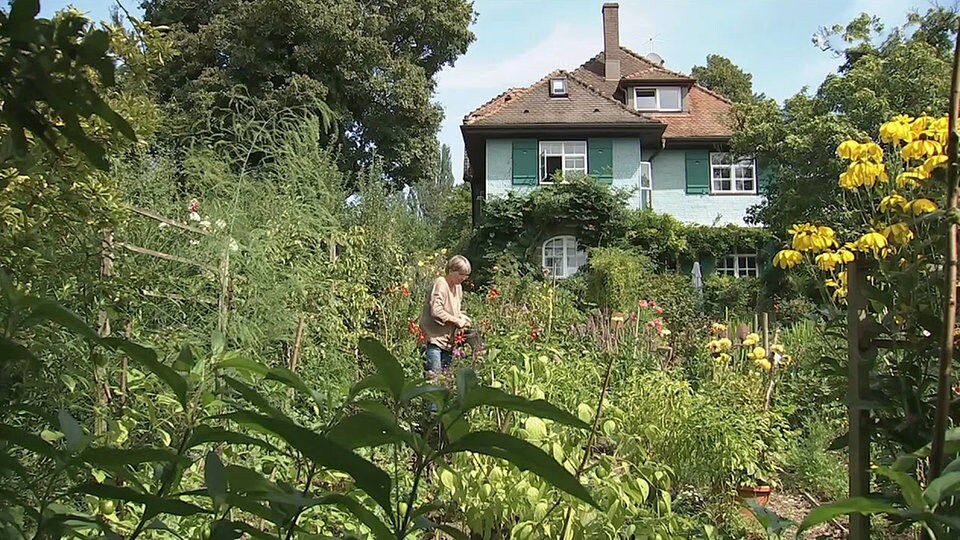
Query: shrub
{"points": [[726, 296], [616, 278]]}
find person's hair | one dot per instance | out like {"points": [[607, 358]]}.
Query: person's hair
{"points": [[458, 263]]}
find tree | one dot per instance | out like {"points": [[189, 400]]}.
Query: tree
{"points": [[368, 65], [905, 72], [725, 78]]}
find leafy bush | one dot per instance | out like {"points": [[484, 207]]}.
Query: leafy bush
{"points": [[726, 297], [616, 278], [809, 466]]}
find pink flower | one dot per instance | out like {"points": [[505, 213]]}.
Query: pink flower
{"points": [[458, 353], [658, 309], [194, 205], [653, 303], [643, 303]]}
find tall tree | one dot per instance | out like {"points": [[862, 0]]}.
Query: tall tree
{"points": [[371, 62], [905, 72], [725, 78]]}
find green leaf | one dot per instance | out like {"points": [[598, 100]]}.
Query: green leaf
{"points": [[387, 365], [11, 350], [23, 11], [412, 392], [234, 360], [292, 380], [374, 381], [49, 310], [9, 463], [326, 453], [853, 505], [365, 430], [207, 434], [185, 360], [253, 397], [236, 529], [378, 528], [909, 487], [72, 431], [943, 486], [218, 343], [525, 456], [155, 505], [27, 440], [486, 395], [106, 456], [148, 359], [214, 478]]}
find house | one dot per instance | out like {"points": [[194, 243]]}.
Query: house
{"points": [[625, 120]]}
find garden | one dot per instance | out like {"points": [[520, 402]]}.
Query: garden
{"points": [[210, 299]]}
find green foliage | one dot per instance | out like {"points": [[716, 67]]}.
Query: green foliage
{"points": [[725, 78], [518, 224], [905, 71], [727, 297], [670, 243], [369, 68], [809, 466], [616, 278], [52, 73]]}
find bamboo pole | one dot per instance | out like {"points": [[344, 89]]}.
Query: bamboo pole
{"points": [[950, 282], [295, 353], [857, 385]]}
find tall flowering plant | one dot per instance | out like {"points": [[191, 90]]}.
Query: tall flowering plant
{"points": [[897, 184]]}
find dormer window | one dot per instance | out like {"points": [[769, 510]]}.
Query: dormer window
{"points": [[663, 98], [558, 87]]}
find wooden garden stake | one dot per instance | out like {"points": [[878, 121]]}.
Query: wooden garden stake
{"points": [[857, 386]]}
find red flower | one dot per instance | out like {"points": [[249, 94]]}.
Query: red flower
{"points": [[194, 205], [405, 291], [534, 332], [459, 338], [493, 294]]}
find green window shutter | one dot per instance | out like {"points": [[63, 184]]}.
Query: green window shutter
{"points": [[526, 164], [600, 160], [763, 176], [698, 172], [708, 265]]}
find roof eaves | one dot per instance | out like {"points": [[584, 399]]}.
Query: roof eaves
{"points": [[487, 108]]}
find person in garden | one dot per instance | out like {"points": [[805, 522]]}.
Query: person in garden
{"points": [[441, 316]]}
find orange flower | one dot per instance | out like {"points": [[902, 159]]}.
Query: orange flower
{"points": [[493, 294]]}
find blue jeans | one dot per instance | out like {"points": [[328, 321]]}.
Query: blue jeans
{"points": [[437, 359]]}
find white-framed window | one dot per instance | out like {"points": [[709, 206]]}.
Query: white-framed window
{"points": [[646, 185], [562, 156], [729, 176], [664, 98], [738, 265], [562, 257], [558, 87]]}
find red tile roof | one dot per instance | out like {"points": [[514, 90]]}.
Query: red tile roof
{"points": [[533, 105], [593, 99]]}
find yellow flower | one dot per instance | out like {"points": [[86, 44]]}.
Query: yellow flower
{"points": [[787, 258], [759, 352], [777, 348], [863, 173], [443, 251], [849, 149], [725, 344], [934, 162], [896, 131], [829, 260], [920, 206], [786, 359], [717, 328], [912, 178], [807, 237], [893, 201], [763, 363], [419, 263], [920, 149], [898, 233], [872, 241], [750, 340]]}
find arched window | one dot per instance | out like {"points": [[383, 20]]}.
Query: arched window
{"points": [[562, 256]]}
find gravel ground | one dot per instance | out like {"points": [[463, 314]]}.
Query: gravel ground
{"points": [[795, 508]]}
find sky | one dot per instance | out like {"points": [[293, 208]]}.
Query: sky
{"points": [[520, 41]]}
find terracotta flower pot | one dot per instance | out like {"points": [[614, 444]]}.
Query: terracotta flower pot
{"points": [[760, 494]]}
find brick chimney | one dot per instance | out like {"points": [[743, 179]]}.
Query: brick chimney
{"points": [[611, 41]]}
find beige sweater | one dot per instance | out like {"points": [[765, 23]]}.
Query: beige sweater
{"points": [[441, 309]]}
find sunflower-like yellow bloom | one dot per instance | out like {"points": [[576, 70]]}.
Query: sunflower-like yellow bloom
{"points": [[920, 206], [892, 202], [787, 258], [912, 178], [920, 149], [872, 241], [934, 162], [898, 233], [849, 149], [896, 131], [830, 260], [863, 173], [807, 237], [751, 339]]}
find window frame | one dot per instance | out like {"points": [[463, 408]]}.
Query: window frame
{"points": [[656, 93], [563, 91], [542, 177], [737, 270], [733, 167], [569, 242], [646, 191]]}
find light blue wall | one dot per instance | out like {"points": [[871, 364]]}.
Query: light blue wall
{"points": [[669, 183], [626, 168], [670, 195]]}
